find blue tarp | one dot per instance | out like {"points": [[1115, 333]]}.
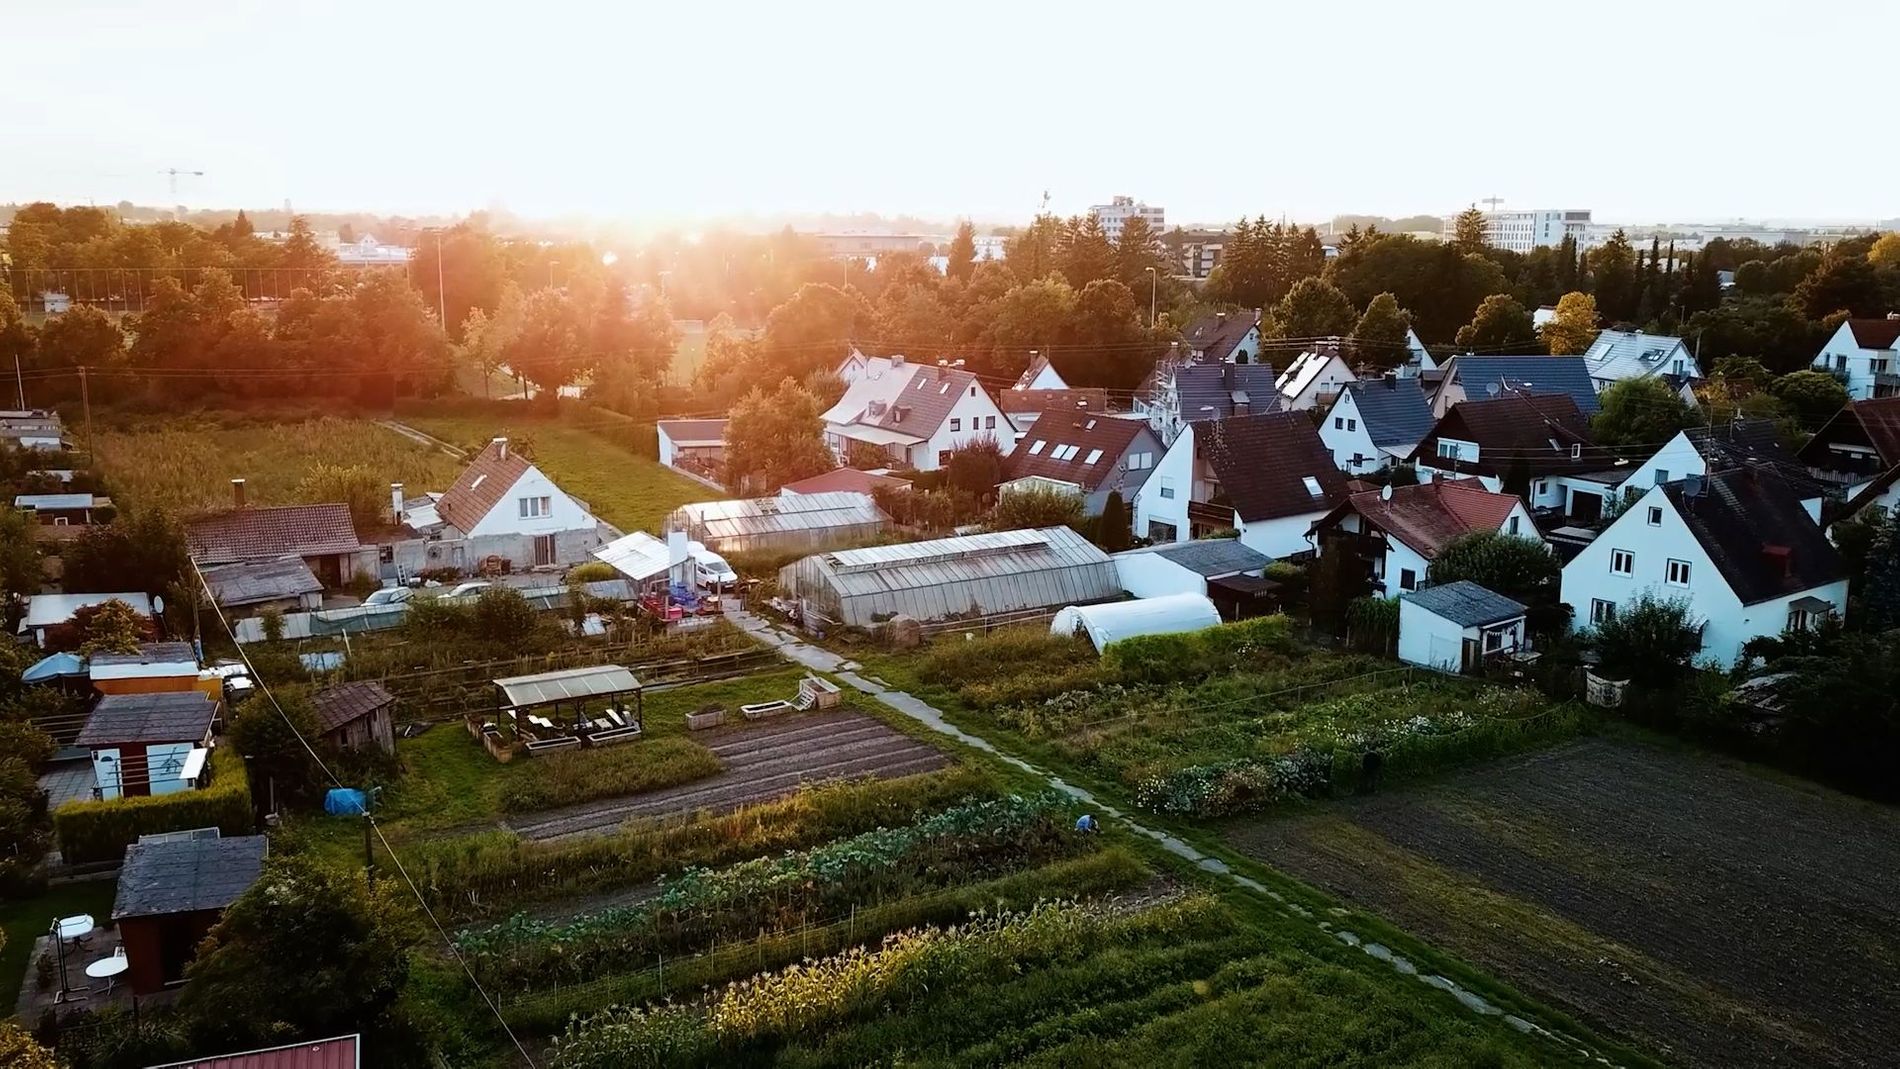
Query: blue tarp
{"points": [[344, 802]]}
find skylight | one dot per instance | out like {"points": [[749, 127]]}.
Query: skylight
{"points": [[1094, 455], [1312, 485], [478, 480], [1035, 447]]}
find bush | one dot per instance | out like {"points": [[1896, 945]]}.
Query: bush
{"points": [[100, 831], [593, 571], [1198, 654], [1650, 642], [502, 615], [584, 775]]}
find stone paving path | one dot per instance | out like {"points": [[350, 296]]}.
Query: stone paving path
{"points": [[795, 649]]}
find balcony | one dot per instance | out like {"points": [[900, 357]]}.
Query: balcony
{"points": [[1210, 516]]}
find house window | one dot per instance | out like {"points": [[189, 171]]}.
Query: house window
{"points": [[956, 424], [1493, 641], [1540, 488], [1655, 515], [1352, 424], [1035, 447], [1622, 562], [1662, 476], [534, 508], [1512, 525], [1339, 423], [989, 423], [1602, 611], [1358, 459], [1160, 532], [1167, 488], [1800, 619], [1141, 461], [1408, 579], [1094, 455], [1677, 573], [1447, 450]]}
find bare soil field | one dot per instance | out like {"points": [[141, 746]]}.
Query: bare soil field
{"points": [[1712, 915], [762, 761]]}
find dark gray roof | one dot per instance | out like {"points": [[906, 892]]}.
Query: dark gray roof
{"points": [[187, 875], [149, 653], [1212, 556], [1219, 334], [1535, 374], [1466, 604], [1394, 410], [338, 705], [174, 716], [1756, 442], [1207, 391], [1753, 527], [1263, 462], [250, 584]]}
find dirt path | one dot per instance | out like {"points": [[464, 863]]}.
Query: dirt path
{"points": [[1719, 917], [762, 761]]}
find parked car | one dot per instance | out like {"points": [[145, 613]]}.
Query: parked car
{"points": [[389, 595], [468, 590], [712, 569]]}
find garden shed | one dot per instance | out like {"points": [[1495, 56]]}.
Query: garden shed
{"points": [[1117, 620], [773, 524], [965, 577], [1453, 627], [171, 892]]}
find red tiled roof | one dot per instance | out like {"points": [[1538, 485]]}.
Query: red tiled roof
{"points": [[1875, 333], [1080, 399], [340, 1053], [1430, 516], [846, 479], [1083, 434], [482, 485], [269, 533]]}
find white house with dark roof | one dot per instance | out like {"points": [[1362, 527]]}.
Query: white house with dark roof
{"points": [[501, 506], [1861, 354], [915, 414], [1453, 627], [1376, 422], [1620, 355], [1040, 375], [1224, 337], [1737, 547], [1187, 567], [692, 445], [1266, 476], [1314, 378], [1099, 454]]}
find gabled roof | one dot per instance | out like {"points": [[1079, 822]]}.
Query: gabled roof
{"points": [[1631, 354], [1208, 557], [1879, 333], [1217, 335], [260, 581], [338, 705], [482, 485], [1306, 368], [1533, 431], [1752, 441], [845, 480], [339, 1053], [905, 398], [1077, 399], [1080, 449], [1755, 530], [1430, 516], [1037, 365], [1466, 604], [187, 875], [163, 716], [700, 432], [1535, 374], [1394, 410], [249, 534], [1211, 391], [1876, 419], [1269, 464]]}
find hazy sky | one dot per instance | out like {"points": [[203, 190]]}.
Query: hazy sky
{"points": [[1644, 112]]}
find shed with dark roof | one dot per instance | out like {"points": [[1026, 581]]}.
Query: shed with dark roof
{"points": [[1455, 626], [171, 892], [152, 743], [254, 586], [356, 716], [323, 536]]}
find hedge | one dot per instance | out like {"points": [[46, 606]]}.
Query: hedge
{"points": [[100, 831]]}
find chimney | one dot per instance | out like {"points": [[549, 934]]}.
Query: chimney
{"points": [[1227, 376], [395, 503], [501, 447], [676, 551], [1779, 559], [897, 359], [237, 493]]}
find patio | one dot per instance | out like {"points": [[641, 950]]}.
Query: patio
{"points": [[562, 710], [83, 992]]}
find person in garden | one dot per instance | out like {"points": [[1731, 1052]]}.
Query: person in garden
{"points": [[1086, 824]]}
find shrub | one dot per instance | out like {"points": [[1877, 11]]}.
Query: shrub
{"points": [[584, 775], [1198, 654], [1651, 641], [271, 620], [1039, 506], [100, 831], [593, 571], [502, 615]]}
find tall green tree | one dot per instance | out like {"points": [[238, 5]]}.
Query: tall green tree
{"points": [[83, 336], [1612, 268], [1500, 325], [962, 255], [1640, 414], [550, 347], [1841, 282], [1314, 308], [1813, 396], [813, 330], [1573, 327], [775, 438], [1086, 253], [1379, 338], [1468, 231], [1136, 251]]}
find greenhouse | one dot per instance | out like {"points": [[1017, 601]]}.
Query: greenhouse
{"points": [[966, 578], [1118, 620], [788, 522]]}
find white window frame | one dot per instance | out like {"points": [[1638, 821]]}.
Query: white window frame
{"points": [[1627, 558], [1676, 572], [536, 508], [1654, 516], [1601, 611], [1167, 487]]}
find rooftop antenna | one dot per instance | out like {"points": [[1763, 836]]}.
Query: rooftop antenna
{"points": [[1494, 200], [174, 172]]}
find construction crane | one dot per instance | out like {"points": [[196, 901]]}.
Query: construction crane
{"points": [[174, 172], [1493, 201]]}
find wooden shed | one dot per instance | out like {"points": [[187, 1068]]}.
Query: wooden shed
{"points": [[171, 892], [356, 716]]}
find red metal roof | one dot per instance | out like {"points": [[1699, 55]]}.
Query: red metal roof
{"points": [[339, 1053]]}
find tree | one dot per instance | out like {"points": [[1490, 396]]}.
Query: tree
{"points": [[550, 347], [1880, 592], [82, 336], [1650, 641], [272, 744], [19, 1051], [1640, 414], [1468, 231], [1841, 282], [812, 331], [110, 627], [1500, 325], [502, 615], [144, 553], [1885, 251], [962, 258], [1512, 565], [353, 485], [1038, 507], [975, 467], [469, 264], [1314, 308], [1381, 336], [19, 563], [1116, 525], [1085, 253], [775, 438], [1573, 327], [1813, 396], [1612, 269], [306, 951], [1136, 252]]}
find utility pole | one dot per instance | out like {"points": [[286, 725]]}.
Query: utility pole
{"points": [[18, 382], [369, 855], [441, 294], [85, 394], [1154, 284]]}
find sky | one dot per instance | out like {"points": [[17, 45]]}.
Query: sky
{"points": [[1661, 111]]}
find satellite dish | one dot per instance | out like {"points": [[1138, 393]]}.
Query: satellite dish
{"points": [[1491, 388], [158, 603], [1385, 492]]}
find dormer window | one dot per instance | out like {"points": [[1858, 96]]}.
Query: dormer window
{"points": [[1576, 450]]}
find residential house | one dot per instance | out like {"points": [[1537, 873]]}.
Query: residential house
{"points": [[172, 891], [1861, 354], [847, 481], [1534, 445], [1040, 375], [914, 415], [1192, 393], [1399, 530], [32, 428], [1098, 454], [67, 510], [1024, 407], [254, 587], [1475, 378], [356, 716], [151, 743], [697, 446], [1375, 422], [1453, 627], [502, 513], [1736, 546], [49, 617], [1223, 570], [851, 367], [1725, 447], [341, 1052], [1856, 446], [155, 668], [1314, 379], [322, 536], [1223, 338], [1622, 355], [1266, 476]]}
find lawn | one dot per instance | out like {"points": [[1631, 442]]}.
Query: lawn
{"points": [[25, 920], [187, 464], [631, 492]]}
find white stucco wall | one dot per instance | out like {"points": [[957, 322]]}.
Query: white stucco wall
{"points": [[505, 518], [1429, 639], [1279, 537], [1151, 575], [1174, 471], [977, 417], [1344, 432], [1860, 372]]}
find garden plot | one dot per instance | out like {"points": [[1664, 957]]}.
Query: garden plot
{"points": [[1714, 916], [761, 762]]}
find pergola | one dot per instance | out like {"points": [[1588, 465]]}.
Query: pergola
{"points": [[570, 702]]}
